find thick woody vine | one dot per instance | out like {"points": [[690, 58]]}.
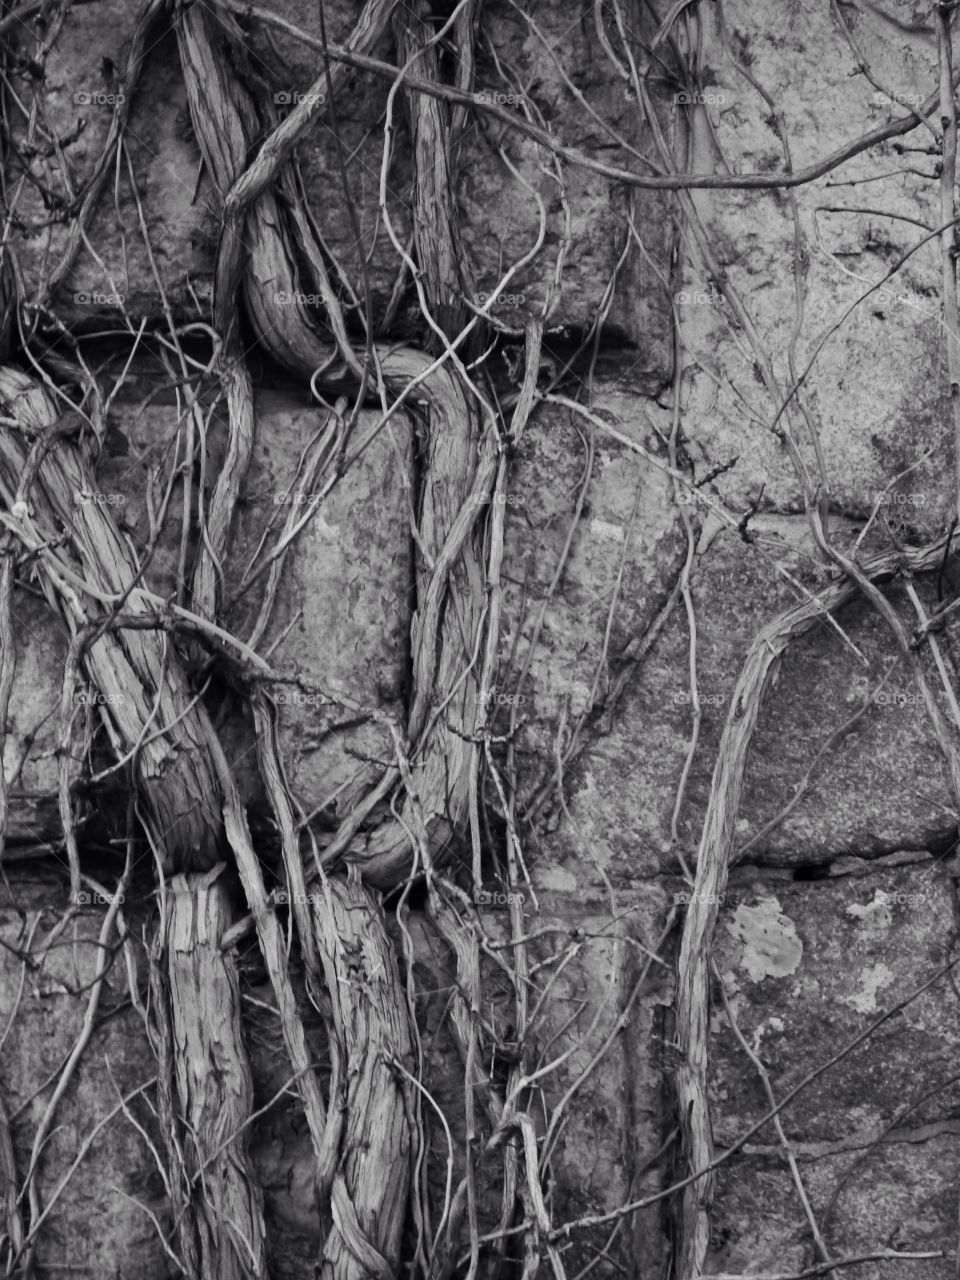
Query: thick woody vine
{"points": [[371, 1118]]}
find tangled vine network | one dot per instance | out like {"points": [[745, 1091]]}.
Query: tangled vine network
{"points": [[398, 1186]]}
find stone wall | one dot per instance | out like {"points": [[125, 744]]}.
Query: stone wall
{"points": [[837, 913]]}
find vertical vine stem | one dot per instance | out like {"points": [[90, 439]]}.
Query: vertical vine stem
{"points": [[948, 236], [213, 1080], [713, 860]]}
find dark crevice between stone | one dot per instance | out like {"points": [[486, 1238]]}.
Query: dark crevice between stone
{"points": [[821, 872], [938, 849]]}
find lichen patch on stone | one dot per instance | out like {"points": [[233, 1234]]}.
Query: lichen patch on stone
{"points": [[871, 980], [874, 915], [771, 947]]}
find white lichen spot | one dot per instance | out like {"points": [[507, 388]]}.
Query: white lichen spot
{"points": [[875, 915], [557, 879], [604, 529], [871, 980], [771, 948], [764, 1028], [12, 756]]}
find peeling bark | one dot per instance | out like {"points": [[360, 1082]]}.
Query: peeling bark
{"points": [[371, 1183], [440, 255], [87, 570], [212, 1077], [12, 1220]]}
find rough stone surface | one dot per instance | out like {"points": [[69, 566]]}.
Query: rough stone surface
{"points": [[813, 964], [42, 1012], [29, 763], [898, 1196], [101, 1221], [600, 1159]]}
